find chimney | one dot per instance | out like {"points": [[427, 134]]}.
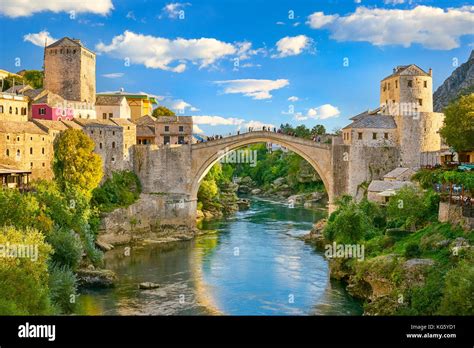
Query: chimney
{"points": [[430, 72]]}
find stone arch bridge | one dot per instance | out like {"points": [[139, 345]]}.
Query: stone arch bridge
{"points": [[172, 174]]}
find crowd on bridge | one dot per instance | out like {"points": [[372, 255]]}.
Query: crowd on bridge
{"points": [[315, 138]]}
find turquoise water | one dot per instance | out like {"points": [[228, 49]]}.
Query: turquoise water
{"points": [[250, 264]]}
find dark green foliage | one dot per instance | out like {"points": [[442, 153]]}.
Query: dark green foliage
{"points": [[412, 250], [62, 285], [67, 247], [121, 190], [458, 292]]}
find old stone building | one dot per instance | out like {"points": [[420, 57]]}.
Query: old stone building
{"points": [[165, 130], [13, 107], [69, 69], [26, 146], [112, 107], [141, 104]]}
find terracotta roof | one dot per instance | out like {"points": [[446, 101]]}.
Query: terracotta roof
{"points": [[146, 120], [145, 131], [51, 125], [50, 99], [401, 68], [377, 121], [95, 123], [381, 185], [108, 100], [122, 122], [20, 127], [397, 172]]}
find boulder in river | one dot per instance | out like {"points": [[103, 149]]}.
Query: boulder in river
{"points": [[96, 278], [256, 191], [243, 203], [148, 285]]}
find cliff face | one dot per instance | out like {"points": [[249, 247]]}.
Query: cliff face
{"points": [[461, 79]]}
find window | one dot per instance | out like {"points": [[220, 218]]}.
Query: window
{"points": [[389, 85], [8, 137], [8, 153], [113, 159], [31, 164], [181, 129], [374, 136], [42, 111], [104, 116], [42, 150], [385, 135], [100, 132], [425, 84], [43, 164], [396, 83], [128, 128], [111, 115], [100, 146], [410, 83], [181, 139], [420, 102], [359, 135], [167, 128], [10, 110], [1, 109], [113, 144], [166, 139], [31, 150], [17, 138], [92, 132]]}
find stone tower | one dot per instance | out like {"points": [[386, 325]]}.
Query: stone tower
{"points": [[407, 91], [69, 70]]}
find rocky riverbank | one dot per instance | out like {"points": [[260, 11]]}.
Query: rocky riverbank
{"points": [[383, 280], [279, 190]]}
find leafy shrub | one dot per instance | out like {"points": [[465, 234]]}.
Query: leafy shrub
{"points": [[412, 250], [458, 293], [24, 280], [62, 284], [120, 190], [67, 247]]}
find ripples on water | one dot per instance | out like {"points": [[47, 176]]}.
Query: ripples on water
{"points": [[253, 264]]}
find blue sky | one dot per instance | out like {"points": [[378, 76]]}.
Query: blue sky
{"points": [[238, 63]]}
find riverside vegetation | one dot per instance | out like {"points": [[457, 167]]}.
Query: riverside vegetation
{"points": [[60, 217]]}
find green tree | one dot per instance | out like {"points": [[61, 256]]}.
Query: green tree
{"points": [[319, 129], [458, 129], [411, 208], [75, 165], [162, 111], [24, 280], [458, 294], [34, 78]]}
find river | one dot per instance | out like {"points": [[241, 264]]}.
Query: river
{"points": [[252, 263]]}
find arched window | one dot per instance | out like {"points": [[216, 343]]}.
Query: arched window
{"points": [[113, 144], [42, 150], [100, 146], [11, 110], [8, 153], [16, 111], [31, 150]]}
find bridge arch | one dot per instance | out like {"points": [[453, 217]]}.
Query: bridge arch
{"points": [[205, 155]]}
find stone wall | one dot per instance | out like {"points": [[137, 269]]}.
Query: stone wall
{"points": [[453, 214], [153, 216]]}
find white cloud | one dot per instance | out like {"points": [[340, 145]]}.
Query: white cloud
{"points": [[218, 121], [432, 27], [292, 46], [293, 98], [160, 53], [197, 130], [393, 2], [257, 125], [21, 8], [39, 39], [131, 15], [173, 10], [319, 19], [257, 89], [181, 106], [322, 112], [113, 75], [280, 23]]}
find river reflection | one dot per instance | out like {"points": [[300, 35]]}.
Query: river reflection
{"points": [[250, 264]]}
